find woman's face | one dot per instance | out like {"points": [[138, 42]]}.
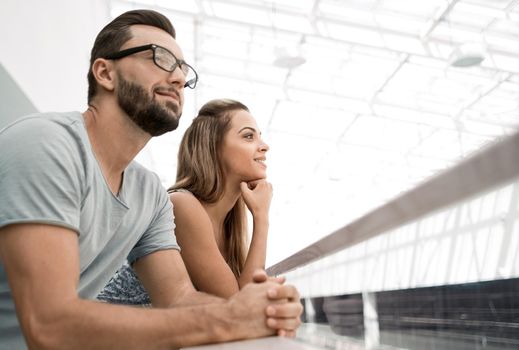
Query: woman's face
{"points": [[243, 151]]}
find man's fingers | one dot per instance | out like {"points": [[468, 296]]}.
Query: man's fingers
{"points": [[260, 276], [286, 324], [286, 333], [283, 292], [284, 310], [283, 314], [278, 279]]}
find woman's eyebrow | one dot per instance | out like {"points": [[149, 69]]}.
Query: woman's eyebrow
{"points": [[247, 128]]}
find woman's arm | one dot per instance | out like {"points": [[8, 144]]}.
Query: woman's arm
{"points": [[257, 197], [207, 267]]}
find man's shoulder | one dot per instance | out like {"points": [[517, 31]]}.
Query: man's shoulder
{"points": [[44, 140], [47, 118], [43, 123]]}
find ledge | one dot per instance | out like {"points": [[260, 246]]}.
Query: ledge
{"points": [[270, 343]]}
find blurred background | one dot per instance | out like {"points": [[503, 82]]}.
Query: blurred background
{"points": [[360, 101]]}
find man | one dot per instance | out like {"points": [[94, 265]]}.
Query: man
{"points": [[74, 206]]}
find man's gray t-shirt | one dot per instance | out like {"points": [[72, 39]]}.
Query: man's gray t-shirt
{"points": [[49, 175]]}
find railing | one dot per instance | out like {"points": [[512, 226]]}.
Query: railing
{"points": [[401, 275], [274, 343], [492, 166], [377, 314]]}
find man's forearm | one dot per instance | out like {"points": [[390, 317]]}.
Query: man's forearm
{"points": [[93, 325], [197, 298]]}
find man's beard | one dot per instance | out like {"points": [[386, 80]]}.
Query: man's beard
{"points": [[145, 111]]}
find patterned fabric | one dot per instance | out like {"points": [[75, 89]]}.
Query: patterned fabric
{"points": [[125, 288]]}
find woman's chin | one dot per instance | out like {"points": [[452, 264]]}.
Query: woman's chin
{"points": [[256, 177]]}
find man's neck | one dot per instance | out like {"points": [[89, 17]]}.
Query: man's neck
{"points": [[115, 141]]}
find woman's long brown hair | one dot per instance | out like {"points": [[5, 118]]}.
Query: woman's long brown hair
{"points": [[199, 170]]}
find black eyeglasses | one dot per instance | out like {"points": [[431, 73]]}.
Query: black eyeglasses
{"points": [[164, 59]]}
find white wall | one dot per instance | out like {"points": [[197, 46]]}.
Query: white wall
{"points": [[13, 101], [45, 47]]}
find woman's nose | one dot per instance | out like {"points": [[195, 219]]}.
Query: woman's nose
{"points": [[264, 147]]}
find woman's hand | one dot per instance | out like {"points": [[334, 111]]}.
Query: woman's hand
{"points": [[257, 196]]}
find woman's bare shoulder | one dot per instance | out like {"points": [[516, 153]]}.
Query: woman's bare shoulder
{"points": [[184, 202]]}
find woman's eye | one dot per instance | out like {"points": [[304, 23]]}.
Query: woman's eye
{"points": [[249, 136]]}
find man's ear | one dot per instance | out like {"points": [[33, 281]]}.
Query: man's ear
{"points": [[104, 73]]}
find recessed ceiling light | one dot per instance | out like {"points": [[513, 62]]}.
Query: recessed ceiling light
{"points": [[285, 59], [467, 55]]}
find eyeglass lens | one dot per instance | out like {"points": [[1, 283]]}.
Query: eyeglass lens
{"points": [[165, 59]]}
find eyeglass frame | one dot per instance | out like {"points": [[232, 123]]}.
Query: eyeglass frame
{"points": [[178, 63]]}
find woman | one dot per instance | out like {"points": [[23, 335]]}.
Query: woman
{"points": [[221, 170]]}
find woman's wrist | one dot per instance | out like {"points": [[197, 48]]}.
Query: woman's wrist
{"points": [[260, 212], [260, 218]]}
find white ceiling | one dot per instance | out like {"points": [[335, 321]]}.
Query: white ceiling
{"points": [[376, 107]]}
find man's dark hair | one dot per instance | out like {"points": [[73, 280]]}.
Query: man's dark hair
{"points": [[112, 37]]}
